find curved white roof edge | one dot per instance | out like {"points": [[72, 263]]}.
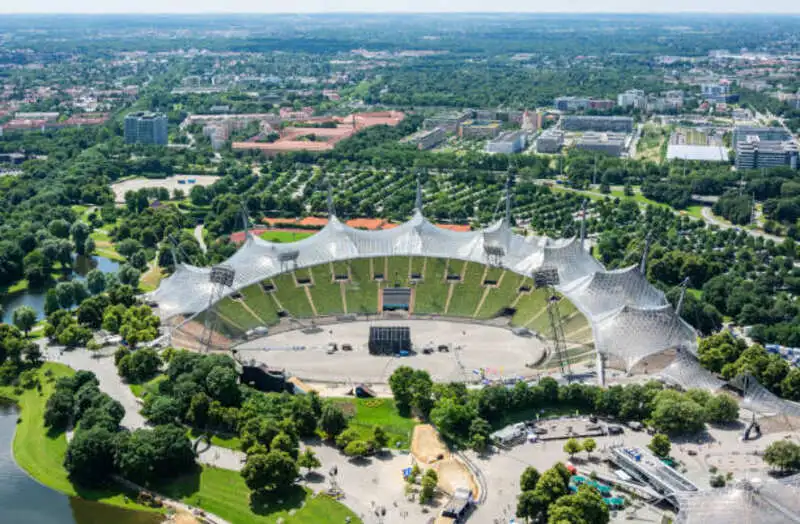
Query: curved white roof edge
{"points": [[188, 290]]}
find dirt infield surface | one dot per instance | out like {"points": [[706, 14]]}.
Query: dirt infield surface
{"points": [[170, 183], [430, 452], [496, 350]]}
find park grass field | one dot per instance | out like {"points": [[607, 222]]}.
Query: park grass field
{"points": [[361, 291], [151, 386], [224, 493], [366, 413], [468, 292], [326, 294], [431, 294], [261, 303], [292, 298], [501, 296], [41, 453], [284, 237]]}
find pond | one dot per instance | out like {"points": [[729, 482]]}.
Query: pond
{"points": [[22, 499], [35, 298]]}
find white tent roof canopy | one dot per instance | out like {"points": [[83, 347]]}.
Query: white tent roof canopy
{"points": [[630, 318]]}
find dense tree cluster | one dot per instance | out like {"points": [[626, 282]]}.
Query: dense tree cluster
{"points": [[731, 357], [17, 354], [547, 498]]}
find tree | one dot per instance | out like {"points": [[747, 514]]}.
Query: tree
{"points": [[784, 455], [24, 318], [551, 485], [347, 436], [197, 415], [527, 481], [160, 409], [379, 438], [660, 445], [274, 471], [589, 445], [59, 408], [572, 446], [90, 456], [80, 233], [66, 294], [332, 421], [96, 281], [429, 481], [531, 506], [721, 409], [400, 383], [308, 459], [357, 449], [584, 507], [221, 385], [152, 454], [479, 434], [139, 365], [283, 442], [675, 413], [129, 275], [51, 304]]}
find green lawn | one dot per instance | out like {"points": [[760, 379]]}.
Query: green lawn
{"points": [[223, 441], [501, 296], [151, 386], [417, 265], [361, 292], [41, 453], [367, 413], [431, 294], [284, 237], [292, 297], [468, 292], [326, 293], [224, 493], [529, 305], [261, 303]]}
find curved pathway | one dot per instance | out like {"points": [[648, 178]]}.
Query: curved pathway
{"points": [[198, 235]]}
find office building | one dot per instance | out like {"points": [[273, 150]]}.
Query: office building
{"points": [[450, 122], [755, 153], [479, 129], [718, 92], [146, 128], [619, 124], [610, 143], [508, 142], [772, 134], [634, 98], [550, 141], [427, 138], [571, 103]]}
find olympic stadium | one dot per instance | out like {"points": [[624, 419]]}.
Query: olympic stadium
{"points": [[473, 295]]}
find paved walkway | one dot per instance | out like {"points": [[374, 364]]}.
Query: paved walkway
{"points": [[198, 235]]}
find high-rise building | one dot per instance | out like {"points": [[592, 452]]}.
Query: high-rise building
{"points": [[772, 134], [755, 153], [508, 142], [146, 128], [632, 98]]}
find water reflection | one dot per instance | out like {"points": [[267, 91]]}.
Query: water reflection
{"points": [[23, 500], [35, 297]]}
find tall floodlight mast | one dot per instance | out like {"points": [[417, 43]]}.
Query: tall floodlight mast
{"points": [[547, 278], [221, 278], [643, 264], [418, 200], [583, 223]]}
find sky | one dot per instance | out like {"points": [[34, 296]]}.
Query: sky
{"points": [[322, 6]]}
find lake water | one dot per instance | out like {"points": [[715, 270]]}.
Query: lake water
{"points": [[23, 500], [35, 298]]}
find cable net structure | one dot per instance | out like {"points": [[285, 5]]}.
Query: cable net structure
{"points": [[687, 372], [759, 399], [771, 502], [630, 318]]}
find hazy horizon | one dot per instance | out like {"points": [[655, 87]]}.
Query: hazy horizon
{"points": [[187, 7]]}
